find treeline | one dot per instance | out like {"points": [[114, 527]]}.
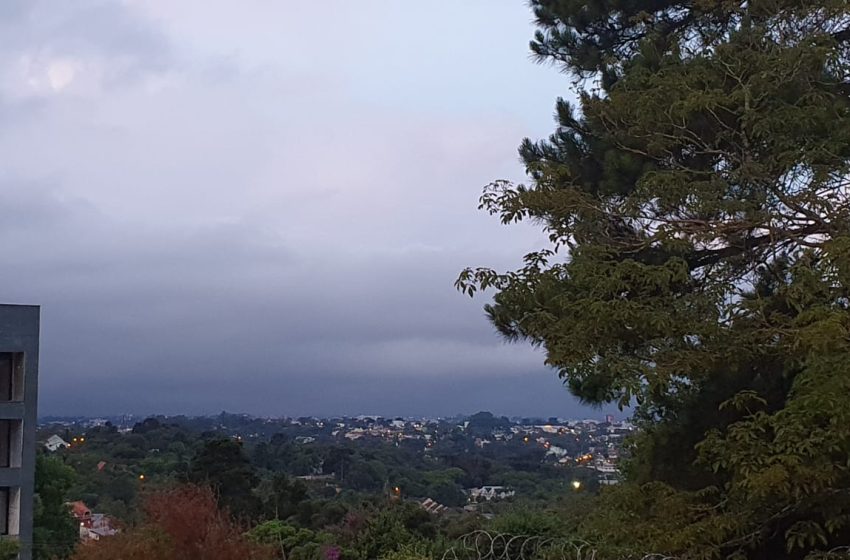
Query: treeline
{"points": [[317, 494], [109, 465]]}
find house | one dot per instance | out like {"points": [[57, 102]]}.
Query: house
{"points": [[55, 443], [93, 526], [608, 473], [556, 451], [431, 506], [81, 513], [489, 493], [99, 526]]}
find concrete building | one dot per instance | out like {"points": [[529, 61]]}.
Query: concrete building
{"points": [[19, 331]]}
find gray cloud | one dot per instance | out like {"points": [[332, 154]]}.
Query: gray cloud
{"points": [[215, 216]]}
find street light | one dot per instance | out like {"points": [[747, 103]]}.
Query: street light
{"points": [[576, 484]]}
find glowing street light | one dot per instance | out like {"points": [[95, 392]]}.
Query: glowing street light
{"points": [[576, 484]]}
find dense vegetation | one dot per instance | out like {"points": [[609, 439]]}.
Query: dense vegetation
{"points": [[696, 199], [291, 489]]}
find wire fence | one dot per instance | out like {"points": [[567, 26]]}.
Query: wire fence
{"points": [[486, 545]]}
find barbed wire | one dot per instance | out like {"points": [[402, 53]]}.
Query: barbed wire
{"points": [[834, 553], [486, 545]]}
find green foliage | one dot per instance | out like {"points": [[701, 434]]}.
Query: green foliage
{"points": [[383, 534], [292, 542], [409, 552], [9, 549], [530, 522], [696, 200], [223, 465], [55, 532], [281, 496], [484, 423], [331, 516]]}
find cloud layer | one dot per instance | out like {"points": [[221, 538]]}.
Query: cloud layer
{"points": [[263, 206]]}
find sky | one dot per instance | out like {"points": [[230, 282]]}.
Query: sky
{"points": [[261, 206]]}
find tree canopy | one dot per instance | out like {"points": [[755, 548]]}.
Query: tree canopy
{"points": [[695, 195], [222, 465], [56, 531]]}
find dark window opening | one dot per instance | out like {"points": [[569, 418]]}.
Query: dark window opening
{"points": [[5, 443], [4, 511], [11, 376]]}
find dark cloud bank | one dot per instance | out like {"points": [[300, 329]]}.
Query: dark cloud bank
{"points": [[215, 226]]}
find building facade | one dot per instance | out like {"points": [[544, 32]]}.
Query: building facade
{"points": [[19, 334]]}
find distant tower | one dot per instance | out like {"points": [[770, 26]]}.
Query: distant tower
{"points": [[19, 328]]}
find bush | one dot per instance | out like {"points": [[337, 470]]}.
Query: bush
{"points": [[9, 549]]}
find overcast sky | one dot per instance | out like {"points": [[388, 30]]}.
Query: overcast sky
{"points": [[261, 206]]}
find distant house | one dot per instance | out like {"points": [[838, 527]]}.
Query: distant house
{"points": [[556, 451], [489, 493], [608, 473], [315, 477], [81, 513], [55, 443], [100, 526], [431, 506], [93, 526]]}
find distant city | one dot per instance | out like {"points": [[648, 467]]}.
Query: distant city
{"points": [[591, 443]]}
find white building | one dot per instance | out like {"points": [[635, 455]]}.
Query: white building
{"points": [[489, 493], [608, 473], [55, 443]]}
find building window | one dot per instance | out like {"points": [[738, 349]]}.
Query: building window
{"points": [[5, 443], [11, 376], [4, 511], [10, 443]]}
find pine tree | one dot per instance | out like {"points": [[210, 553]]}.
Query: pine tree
{"points": [[696, 200]]}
